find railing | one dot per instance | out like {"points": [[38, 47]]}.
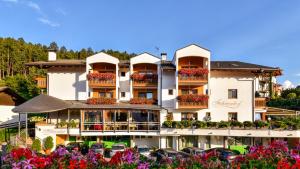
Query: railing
{"points": [[202, 104], [184, 78], [121, 126], [102, 83], [260, 102], [145, 83], [41, 82]]}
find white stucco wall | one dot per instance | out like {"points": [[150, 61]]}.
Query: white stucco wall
{"points": [[221, 105], [168, 82], [67, 84], [8, 116], [124, 85]]}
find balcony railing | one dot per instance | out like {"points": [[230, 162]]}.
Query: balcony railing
{"points": [[41, 82], [260, 102], [139, 100], [193, 75], [101, 100], [101, 80], [193, 101], [121, 126], [144, 80]]}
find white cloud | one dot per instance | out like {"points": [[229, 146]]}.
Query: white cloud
{"points": [[34, 6], [48, 22], [11, 1], [288, 84], [298, 74], [61, 11]]}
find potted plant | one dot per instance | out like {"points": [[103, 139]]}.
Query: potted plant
{"points": [[167, 124], [48, 144], [36, 145], [260, 124], [223, 124], [247, 124], [200, 124], [211, 124], [72, 124], [235, 124], [62, 123]]}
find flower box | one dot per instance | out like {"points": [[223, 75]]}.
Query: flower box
{"points": [[142, 101], [101, 100]]}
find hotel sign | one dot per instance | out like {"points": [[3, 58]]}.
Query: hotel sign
{"points": [[227, 103]]}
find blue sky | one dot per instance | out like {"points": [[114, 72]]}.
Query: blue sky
{"points": [[258, 31]]}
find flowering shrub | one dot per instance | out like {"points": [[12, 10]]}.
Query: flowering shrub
{"points": [[101, 100], [144, 77], [193, 72], [192, 98], [276, 155], [141, 101], [101, 76]]}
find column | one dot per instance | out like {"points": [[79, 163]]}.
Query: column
{"points": [[163, 142], [175, 143]]}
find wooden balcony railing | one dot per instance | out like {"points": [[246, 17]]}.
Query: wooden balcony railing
{"points": [[101, 79], [193, 101], [260, 102], [192, 79], [144, 80], [102, 83], [41, 82]]}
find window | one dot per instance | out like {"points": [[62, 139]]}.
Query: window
{"points": [[106, 94], [147, 95], [123, 94], [207, 117], [189, 91], [123, 74], [170, 92], [232, 116], [232, 94], [188, 116]]}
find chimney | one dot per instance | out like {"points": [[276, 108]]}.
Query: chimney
{"points": [[51, 54], [163, 56]]}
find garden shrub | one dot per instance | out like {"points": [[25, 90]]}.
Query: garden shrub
{"points": [[167, 124], [36, 145], [48, 144], [236, 124], [223, 124], [211, 124], [200, 124], [260, 124], [186, 123], [247, 124]]}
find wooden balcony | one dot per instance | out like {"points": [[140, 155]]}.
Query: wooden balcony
{"points": [[193, 101], [144, 80], [260, 103], [192, 105], [102, 83], [101, 80], [146, 83], [41, 82], [192, 80], [193, 76]]}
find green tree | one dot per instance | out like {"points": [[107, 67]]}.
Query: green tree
{"points": [[292, 96]]}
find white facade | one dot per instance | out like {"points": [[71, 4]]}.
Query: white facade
{"points": [[67, 84], [72, 84], [8, 116]]}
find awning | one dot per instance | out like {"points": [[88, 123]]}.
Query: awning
{"points": [[42, 104]]}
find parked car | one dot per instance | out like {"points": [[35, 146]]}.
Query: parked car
{"points": [[193, 151], [117, 147], [98, 148], [143, 150], [224, 154], [160, 154]]}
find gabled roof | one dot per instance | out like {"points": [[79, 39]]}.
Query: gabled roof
{"points": [[62, 62], [10, 97], [42, 104], [237, 65]]}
